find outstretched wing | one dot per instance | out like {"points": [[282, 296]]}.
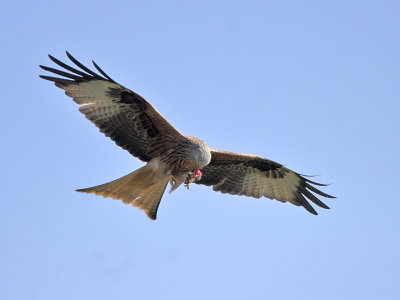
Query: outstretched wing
{"points": [[124, 116], [254, 176]]}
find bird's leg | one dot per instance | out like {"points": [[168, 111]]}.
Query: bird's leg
{"points": [[188, 180], [192, 176]]}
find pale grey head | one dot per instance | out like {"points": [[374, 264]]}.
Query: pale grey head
{"points": [[200, 152]]}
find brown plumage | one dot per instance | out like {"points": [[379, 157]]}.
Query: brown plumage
{"points": [[135, 125]]}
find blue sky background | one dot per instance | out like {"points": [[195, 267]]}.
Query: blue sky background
{"points": [[310, 84]]}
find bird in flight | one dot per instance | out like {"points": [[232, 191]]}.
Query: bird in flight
{"points": [[171, 157]]}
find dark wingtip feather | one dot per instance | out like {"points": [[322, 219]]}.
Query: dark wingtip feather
{"points": [[69, 68], [77, 63], [309, 208], [317, 191], [68, 54], [53, 58], [303, 202], [47, 77], [76, 75], [311, 211], [102, 72], [56, 80], [314, 199], [316, 183], [310, 181], [61, 73], [305, 189]]}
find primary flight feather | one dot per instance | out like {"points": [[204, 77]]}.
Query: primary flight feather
{"points": [[136, 126]]}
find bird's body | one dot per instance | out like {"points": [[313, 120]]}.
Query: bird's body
{"points": [[135, 125]]}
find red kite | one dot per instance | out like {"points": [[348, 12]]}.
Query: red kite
{"points": [[136, 126]]}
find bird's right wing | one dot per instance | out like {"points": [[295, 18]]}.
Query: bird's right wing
{"points": [[121, 114], [254, 176]]}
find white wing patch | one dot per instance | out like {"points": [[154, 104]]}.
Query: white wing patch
{"points": [[256, 184], [93, 91], [94, 98]]}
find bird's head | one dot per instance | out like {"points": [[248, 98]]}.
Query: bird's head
{"points": [[200, 156], [200, 153]]}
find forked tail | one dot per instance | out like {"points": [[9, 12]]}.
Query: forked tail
{"points": [[142, 188]]}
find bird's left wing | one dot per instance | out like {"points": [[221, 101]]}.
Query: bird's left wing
{"points": [[121, 114], [254, 176]]}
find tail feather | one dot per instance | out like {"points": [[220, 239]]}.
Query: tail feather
{"points": [[150, 199], [142, 189]]}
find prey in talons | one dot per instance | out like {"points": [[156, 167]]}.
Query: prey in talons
{"points": [[192, 176]]}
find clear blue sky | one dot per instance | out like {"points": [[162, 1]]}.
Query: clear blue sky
{"points": [[311, 84]]}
